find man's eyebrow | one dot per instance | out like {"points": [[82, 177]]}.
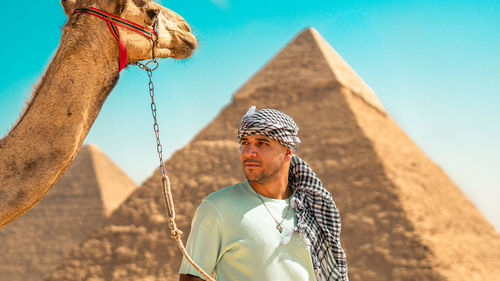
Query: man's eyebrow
{"points": [[263, 139]]}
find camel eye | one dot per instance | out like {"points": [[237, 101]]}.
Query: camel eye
{"points": [[140, 3], [152, 14]]}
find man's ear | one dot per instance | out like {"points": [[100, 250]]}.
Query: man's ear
{"points": [[288, 153], [69, 6]]}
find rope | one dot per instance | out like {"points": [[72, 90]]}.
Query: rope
{"points": [[112, 21], [176, 232], [152, 34], [165, 180]]}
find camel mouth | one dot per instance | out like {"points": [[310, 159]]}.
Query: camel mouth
{"points": [[184, 44], [190, 41]]}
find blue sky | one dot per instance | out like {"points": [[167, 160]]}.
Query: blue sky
{"points": [[435, 65]]}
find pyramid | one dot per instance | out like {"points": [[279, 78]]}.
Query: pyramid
{"points": [[80, 201], [403, 218]]}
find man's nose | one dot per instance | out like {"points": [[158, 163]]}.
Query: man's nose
{"points": [[249, 151]]}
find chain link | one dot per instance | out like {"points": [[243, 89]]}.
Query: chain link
{"points": [[149, 70], [149, 67], [176, 233]]}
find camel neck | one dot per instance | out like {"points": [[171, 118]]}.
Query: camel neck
{"points": [[64, 106], [71, 93]]}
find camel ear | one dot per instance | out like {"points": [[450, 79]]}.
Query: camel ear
{"points": [[69, 6]]}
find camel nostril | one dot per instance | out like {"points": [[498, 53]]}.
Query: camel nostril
{"points": [[184, 26]]}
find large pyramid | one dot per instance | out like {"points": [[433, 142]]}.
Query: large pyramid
{"points": [[80, 201], [403, 218]]}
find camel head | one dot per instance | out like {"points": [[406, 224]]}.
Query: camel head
{"points": [[174, 34], [68, 98]]}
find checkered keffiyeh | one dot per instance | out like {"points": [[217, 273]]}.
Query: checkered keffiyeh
{"points": [[318, 219], [271, 123]]}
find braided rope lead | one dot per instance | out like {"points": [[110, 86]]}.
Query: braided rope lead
{"points": [[175, 232], [165, 181]]}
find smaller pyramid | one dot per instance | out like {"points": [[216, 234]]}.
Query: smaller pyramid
{"points": [[85, 196]]}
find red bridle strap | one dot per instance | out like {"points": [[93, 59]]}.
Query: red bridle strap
{"points": [[112, 22]]}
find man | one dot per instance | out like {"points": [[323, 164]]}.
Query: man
{"points": [[280, 225]]}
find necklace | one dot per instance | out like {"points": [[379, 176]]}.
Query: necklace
{"points": [[278, 224]]}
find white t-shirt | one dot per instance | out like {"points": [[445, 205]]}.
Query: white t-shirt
{"points": [[235, 237]]}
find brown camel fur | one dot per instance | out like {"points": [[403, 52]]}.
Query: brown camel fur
{"points": [[65, 104]]}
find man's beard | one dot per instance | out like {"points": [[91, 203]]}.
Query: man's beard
{"points": [[264, 176]]}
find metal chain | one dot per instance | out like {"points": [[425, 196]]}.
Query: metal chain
{"points": [[165, 181], [159, 149], [279, 227], [151, 86]]}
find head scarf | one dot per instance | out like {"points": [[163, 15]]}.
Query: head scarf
{"points": [[318, 219], [271, 123]]}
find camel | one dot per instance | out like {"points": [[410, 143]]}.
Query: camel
{"points": [[66, 101]]}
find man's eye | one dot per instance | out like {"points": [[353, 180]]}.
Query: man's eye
{"points": [[263, 143]]}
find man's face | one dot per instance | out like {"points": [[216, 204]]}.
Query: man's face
{"points": [[261, 157]]}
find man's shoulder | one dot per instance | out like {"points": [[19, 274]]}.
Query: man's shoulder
{"points": [[227, 202], [228, 194]]}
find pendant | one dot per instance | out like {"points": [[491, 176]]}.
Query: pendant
{"points": [[279, 228]]}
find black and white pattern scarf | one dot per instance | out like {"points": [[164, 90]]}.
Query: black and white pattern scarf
{"points": [[272, 124], [318, 219]]}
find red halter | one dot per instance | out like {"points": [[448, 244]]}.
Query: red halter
{"points": [[112, 21]]}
